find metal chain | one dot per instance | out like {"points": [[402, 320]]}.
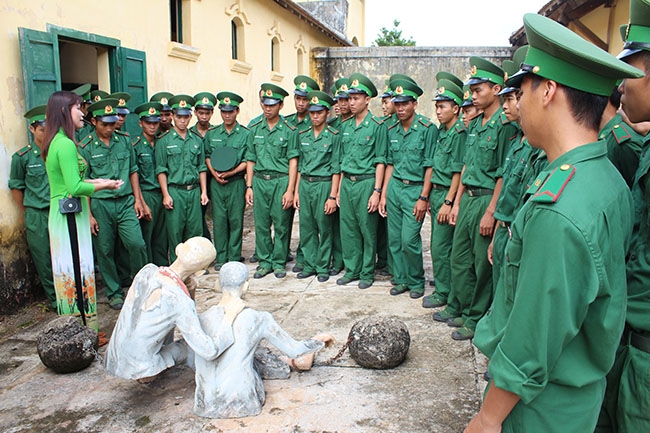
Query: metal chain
{"points": [[341, 352]]}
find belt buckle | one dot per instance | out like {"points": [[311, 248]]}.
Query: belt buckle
{"points": [[470, 193], [189, 187], [353, 178], [406, 181], [310, 179], [266, 176]]}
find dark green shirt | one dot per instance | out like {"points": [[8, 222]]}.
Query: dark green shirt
{"points": [[363, 146], [448, 153], [144, 156], [181, 159], [623, 146], [219, 137], [29, 175], [319, 156], [116, 161], [301, 125], [485, 150], [411, 152], [271, 149]]}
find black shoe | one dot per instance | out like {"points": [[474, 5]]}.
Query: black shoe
{"points": [[335, 271], [253, 259], [345, 280], [432, 283], [298, 268], [302, 275], [364, 284], [442, 316], [415, 294], [382, 272], [242, 259], [280, 273], [487, 377], [399, 289], [462, 334], [289, 258], [323, 278], [432, 302], [261, 273]]}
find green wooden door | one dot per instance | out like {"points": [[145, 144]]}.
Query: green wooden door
{"points": [[39, 52], [131, 77]]}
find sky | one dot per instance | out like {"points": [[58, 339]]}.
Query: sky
{"points": [[450, 23]]}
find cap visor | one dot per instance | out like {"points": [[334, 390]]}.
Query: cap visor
{"points": [[442, 98], [270, 101], [467, 103], [403, 99], [473, 81], [227, 107], [627, 53], [107, 119], [506, 90], [182, 112], [150, 119], [300, 93], [204, 107], [386, 95], [356, 91], [316, 108], [122, 110], [515, 80]]}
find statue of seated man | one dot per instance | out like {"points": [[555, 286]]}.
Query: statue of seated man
{"points": [[229, 386], [159, 300]]}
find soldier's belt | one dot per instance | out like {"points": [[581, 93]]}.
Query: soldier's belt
{"points": [[358, 177], [409, 182], [316, 178], [236, 176], [438, 186], [476, 192], [269, 176], [188, 187], [640, 341]]}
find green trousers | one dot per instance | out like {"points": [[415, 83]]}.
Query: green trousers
{"points": [[404, 239], [337, 249], [442, 236], [228, 205], [184, 221], [268, 213], [384, 257], [116, 217], [358, 229], [154, 232], [315, 227], [38, 242], [498, 252], [471, 272]]}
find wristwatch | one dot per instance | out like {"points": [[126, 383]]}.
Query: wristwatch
{"points": [[448, 202], [423, 198]]}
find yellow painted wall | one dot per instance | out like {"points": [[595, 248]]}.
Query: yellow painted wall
{"points": [[605, 23]]}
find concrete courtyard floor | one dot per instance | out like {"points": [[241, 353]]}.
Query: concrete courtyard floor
{"points": [[437, 389]]}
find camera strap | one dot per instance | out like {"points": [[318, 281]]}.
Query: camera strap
{"points": [[76, 264]]}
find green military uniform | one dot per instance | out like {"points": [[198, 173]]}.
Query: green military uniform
{"points": [[182, 160], [363, 147], [27, 174], [623, 146], [547, 342], [113, 209], [319, 160], [627, 399], [228, 201], [154, 232], [447, 160], [271, 150], [410, 153], [206, 101]]}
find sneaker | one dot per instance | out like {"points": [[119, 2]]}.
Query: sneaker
{"points": [[432, 301], [261, 272], [399, 289], [462, 334], [116, 302]]}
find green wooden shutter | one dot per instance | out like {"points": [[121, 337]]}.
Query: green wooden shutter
{"points": [[132, 78], [39, 52]]}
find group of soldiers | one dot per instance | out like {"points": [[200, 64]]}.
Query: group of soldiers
{"points": [[507, 218]]}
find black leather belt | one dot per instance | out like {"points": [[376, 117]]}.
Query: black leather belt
{"points": [[189, 187], [358, 177], [438, 186], [476, 192], [409, 182], [236, 176], [269, 176], [640, 341], [316, 178]]}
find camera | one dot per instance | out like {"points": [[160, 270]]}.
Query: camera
{"points": [[70, 205]]}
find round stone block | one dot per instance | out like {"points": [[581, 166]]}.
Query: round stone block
{"points": [[66, 346], [379, 342]]}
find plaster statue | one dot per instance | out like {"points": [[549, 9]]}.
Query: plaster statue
{"points": [[159, 300], [229, 386]]}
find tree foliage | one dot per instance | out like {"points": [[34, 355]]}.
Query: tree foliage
{"points": [[392, 37]]}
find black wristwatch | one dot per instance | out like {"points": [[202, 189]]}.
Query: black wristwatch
{"points": [[448, 202], [249, 187], [377, 190], [331, 197], [423, 198]]}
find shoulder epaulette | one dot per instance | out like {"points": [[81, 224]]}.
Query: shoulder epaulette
{"points": [[305, 130], [621, 133], [332, 130], [24, 150], [348, 119], [554, 184], [425, 121], [124, 133], [377, 120], [213, 127], [163, 134], [257, 121], [293, 128], [86, 141], [136, 140], [393, 125], [195, 132], [244, 127], [460, 127]]}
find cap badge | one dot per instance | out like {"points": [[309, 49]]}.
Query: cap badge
{"points": [[474, 70], [108, 109], [303, 85], [97, 98], [399, 90], [466, 94], [269, 92], [163, 101], [152, 111], [121, 103], [315, 100], [182, 103], [205, 101], [505, 77], [535, 69], [441, 90], [226, 100], [344, 88], [355, 83]]}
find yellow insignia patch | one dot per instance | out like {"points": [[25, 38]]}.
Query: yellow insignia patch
{"points": [[303, 85], [474, 70], [466, 94], [269, 92], [535, 69], [355, 83], [108, 109], [121, 103], [97, 98], [226, 100], [344, 88], [399, 90], [163, 101], [182, 103], [538, 182], [565, 167], [441, 90], [152, 111], [505, 77], [315, 100], [205, 101]]}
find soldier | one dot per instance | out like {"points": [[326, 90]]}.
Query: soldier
{"points": [[225, 157], [181, 171], [30, 190], [114, 213], [166, 112], [84, 92], [470, 111], [317, 187], [445, 178], [122, 108], [154, 230], [88, 128], [272, 157], [364, 141], [550, 345], [473, 209], [342, 101], [625, 408], [204, 109], [405, 196]]}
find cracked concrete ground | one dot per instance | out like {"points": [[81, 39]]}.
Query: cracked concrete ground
{"points": [[437, 389]]}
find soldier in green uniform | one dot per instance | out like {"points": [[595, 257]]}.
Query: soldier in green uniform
{"points": [[114, 213], [473, 209], [405, 197], [31, 192], [317, 187], [225, 157], [154, 230], [445, 178], [553, 328], [271, 170], [84, 92], [470, 111], [88, 128], [364, 141], [181, 171], [627, 399], [204, 109], [165, 123], [623, 142], [122, 108], [387, 107]]}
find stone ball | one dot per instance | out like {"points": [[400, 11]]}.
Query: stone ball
{"points": [[379, 342], [66, 346]]}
